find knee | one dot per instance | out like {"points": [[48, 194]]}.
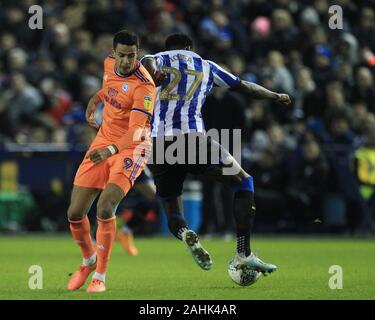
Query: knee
{"points": [[105, 209], [246, 183], [244, 175], [75, 214]]}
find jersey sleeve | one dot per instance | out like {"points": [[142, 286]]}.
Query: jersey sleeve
{"points": [[106, 63], [223, 78], [100, 94], [144, 99], [135, 133], [141, 113]]}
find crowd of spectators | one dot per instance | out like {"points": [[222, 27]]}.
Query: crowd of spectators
{"points": [[311, 162]]}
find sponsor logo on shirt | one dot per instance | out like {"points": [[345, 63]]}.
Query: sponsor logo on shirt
{"points": [[147, 102], [113, 102], [112, 92]]}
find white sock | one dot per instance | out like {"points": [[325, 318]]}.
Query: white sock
{"points": [[99, 276], [90, 261]]}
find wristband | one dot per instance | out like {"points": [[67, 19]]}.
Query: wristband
{"points": [[112, 149]]}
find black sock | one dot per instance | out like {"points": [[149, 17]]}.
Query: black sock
{"points": [[176, 223], [243, 245], [244, 214]]}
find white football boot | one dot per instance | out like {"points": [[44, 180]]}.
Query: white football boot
{"points": [[200, 255], [255, 263]]}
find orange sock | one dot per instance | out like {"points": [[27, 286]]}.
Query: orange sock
{"points": [[105, 236], [81, 234]]}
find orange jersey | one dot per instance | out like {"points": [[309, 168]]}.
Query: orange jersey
{"points": [[123, 94], [128, 106]]}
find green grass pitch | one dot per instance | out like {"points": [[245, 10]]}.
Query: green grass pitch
{"points": [[165, 270]]}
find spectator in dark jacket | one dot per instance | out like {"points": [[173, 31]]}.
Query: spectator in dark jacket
{"points": [[308, 174]]}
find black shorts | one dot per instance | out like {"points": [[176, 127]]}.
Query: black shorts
{"points": [[196, 154], [145, 176]]}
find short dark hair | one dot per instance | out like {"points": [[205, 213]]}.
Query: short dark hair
{"points": [[125, 37], [178, 41]]}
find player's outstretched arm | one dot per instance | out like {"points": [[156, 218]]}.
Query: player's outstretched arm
{"points": [[256, 91], [90, 110]]}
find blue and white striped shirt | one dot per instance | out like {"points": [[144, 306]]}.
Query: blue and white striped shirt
{"points": [[181, 96]]}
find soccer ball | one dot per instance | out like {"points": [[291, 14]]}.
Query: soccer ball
{"points": [[241, 274]]}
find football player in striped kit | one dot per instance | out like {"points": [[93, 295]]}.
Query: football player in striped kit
{"points": [[188, 80]]}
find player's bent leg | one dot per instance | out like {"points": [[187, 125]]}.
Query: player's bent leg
{"points": [[125, 237], [106, 232], [146, 189], [169, 184], [81, 201], [178, 227], [144, 186], [174, 211]]}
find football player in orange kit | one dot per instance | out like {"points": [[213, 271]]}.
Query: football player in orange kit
{"points": [[115, 158]]}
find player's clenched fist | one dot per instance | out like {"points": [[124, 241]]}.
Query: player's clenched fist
{"points": [[99, 155], [91, 121], [159, 77], [283, 99]]}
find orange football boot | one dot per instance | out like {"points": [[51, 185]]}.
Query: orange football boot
{"points": [[96, 286], [79, 277], [126, 240]]}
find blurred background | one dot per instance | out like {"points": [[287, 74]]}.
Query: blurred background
{"points": [[313, 163]]}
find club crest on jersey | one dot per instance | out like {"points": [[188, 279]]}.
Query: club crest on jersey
{"points": [[128, 163], [125, 87], [147, 102]]}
